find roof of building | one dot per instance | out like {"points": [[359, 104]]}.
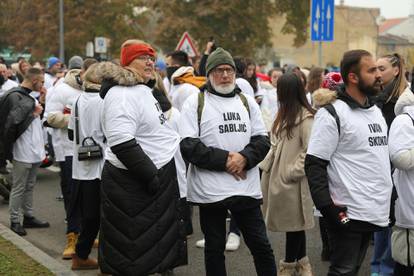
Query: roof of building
{"points": [[389, 23], [387, 39]]}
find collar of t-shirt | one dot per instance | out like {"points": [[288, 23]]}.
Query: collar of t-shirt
{"points": [[109, 83], [210, 89], [353, 104]]}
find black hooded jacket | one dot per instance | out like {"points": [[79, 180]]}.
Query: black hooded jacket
{"points": [[16, 114]]}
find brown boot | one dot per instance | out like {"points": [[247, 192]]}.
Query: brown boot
{"points": [[286, 269], [81, 264], [71, 240], [304, 268]]}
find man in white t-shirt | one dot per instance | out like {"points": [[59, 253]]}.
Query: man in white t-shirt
{"points": [[224, 139], [54, 66], [21, 136], [183, 82], [348, 165]]}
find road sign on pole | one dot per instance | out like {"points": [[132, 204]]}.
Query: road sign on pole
{"points": [[322, 20], [100, 45], [186, 44]]}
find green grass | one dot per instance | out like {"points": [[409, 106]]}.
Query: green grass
{"points": [[14, 262]]}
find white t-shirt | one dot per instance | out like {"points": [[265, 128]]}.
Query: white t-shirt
{"points": [[401, 138], [90, 107], [269, 107], [29, 147], [133, 112], [245, 86], [49, 80], [7, 85], [359, 165], [173, 117], [225, 124], [309, 98], [180, 92], [63, 96]]}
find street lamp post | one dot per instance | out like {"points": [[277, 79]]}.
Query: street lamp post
{"points": [[61, 33]]}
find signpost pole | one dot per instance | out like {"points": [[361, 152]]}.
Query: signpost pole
{"points": [[320, 54]]}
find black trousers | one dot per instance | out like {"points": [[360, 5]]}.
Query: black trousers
{"points": [[89, 204], [348, 250], [402, 270], [295, 246], [70, 190], [251, 224]]}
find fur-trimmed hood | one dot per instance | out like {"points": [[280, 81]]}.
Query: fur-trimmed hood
{"points": [[70, 79], [182, 71], [323, 96], [405, 100], [110, 74]]}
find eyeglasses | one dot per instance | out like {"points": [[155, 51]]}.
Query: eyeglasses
{"points": [[221, 71], [146, 58]]}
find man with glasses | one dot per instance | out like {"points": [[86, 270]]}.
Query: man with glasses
{"points": [[224, 138], [21, 137]]}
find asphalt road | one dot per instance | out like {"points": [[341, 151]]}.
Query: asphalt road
{"points": [[52, 240]]}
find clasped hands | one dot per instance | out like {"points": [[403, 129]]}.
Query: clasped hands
{"points": [[235, 165]]}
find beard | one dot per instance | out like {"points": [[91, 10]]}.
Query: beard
{"points": [[367, 89], [223, 89]]}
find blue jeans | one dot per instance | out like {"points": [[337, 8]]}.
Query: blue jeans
{"points": [[382, 262], [251, 224]]}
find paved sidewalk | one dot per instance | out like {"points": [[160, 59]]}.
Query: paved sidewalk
{"points": [[52, 240]]}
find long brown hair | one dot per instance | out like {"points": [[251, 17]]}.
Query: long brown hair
{"points": [[401, 82], [291, 98], [314, 79]]}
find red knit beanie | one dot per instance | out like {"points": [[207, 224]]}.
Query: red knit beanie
{"points": [[132, 51]]}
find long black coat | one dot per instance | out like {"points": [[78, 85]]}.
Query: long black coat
{"points": [[140, 234]]}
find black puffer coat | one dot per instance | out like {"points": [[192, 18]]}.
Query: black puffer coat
{"points": [[140, 234], [142, 226]]}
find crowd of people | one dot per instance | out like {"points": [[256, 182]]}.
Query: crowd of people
{"points": [[141, 141]]}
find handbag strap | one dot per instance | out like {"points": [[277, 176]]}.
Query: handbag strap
{"points": [[77, 122], [90, 138]]}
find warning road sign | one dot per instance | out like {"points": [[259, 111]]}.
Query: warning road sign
{"points": [[187, 45]]}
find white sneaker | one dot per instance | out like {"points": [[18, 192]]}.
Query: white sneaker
{"points": [[233, 242], [201, 243]]}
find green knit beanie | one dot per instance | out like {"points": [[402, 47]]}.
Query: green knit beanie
{"points": [[218, 57]]}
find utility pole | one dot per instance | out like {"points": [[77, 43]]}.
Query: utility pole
{"points": [[61, 33]]}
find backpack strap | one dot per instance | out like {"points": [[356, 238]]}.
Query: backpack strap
{"points": [[331, 109], [245, 102], [410, 117]]}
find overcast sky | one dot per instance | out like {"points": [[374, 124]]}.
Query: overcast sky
{"points": [[389, 8]]}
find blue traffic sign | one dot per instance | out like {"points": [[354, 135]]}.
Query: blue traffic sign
{"points": [[322, 20]]}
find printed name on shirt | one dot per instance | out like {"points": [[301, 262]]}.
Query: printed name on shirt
{"points": [[375, 141], [161, 117], [232, 127]]}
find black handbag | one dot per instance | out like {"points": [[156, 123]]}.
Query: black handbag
{"points": [[89, 149]]}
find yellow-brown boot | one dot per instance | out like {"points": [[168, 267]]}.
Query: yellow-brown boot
{"points": [[81, 264], [71, 240]]}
